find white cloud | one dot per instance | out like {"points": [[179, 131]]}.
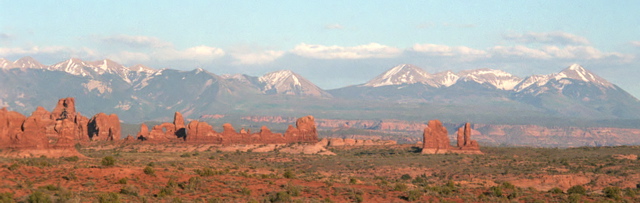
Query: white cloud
{"points": [[136, 41], [48, 50], [372, 50], [444, 50], [518, 51], [126, 57], [335, 26], [558, 37], [254, 58], [635, 43], [200, 53]]}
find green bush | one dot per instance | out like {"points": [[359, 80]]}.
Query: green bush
{"points": [[400, 187], [414, 195], [149, 170], [129, 190], [72, 159], [122, 181], [206, 172], [108, 161], [612, 192], [289, 174], [110, 197], [13, 167], [555, 190], [6, 197], [577, 189], [405, 177], [39, 197]]}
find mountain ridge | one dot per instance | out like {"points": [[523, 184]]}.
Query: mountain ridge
{"points": [[141, 93]]}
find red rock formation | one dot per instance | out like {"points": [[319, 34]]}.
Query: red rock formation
{"points": [[104, 127], [435, 140], [201, 132], [464, 139], [66, 108], [143, 134], [198, 132], [50, 134]]}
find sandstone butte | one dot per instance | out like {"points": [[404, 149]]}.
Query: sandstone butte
{"points": [[55, 133], [436, 140], [198, 132]]}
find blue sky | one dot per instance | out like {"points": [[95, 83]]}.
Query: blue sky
{"points": [[332, 43]]}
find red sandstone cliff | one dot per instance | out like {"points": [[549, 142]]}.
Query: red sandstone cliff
{"points": [[198, 132], [51, 134]]}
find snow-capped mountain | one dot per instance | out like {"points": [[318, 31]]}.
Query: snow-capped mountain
{"points": [[497, 78], [140, 93], [289, 83], [76, 66], [574, 72], [24, 62], [401, 74]]}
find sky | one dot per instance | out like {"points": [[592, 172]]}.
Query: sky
{"points": [[332, 43]]}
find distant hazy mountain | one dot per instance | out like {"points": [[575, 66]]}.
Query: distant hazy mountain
{"points": [[139, 93]]}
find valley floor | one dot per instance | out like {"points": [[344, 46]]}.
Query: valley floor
{"points": [[397, 173]]}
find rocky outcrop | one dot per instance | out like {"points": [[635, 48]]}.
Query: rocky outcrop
{"points": [[198, 132], [436, 140], [52, 134], [104, 127], [464, 139]]}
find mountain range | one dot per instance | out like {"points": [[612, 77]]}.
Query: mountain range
{"points": [[139, 93]]}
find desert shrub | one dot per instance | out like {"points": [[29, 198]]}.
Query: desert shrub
{"points": [[108, 161], [206, 172], [129, 190], [122, 181], [630, 192], [405, 177], [575, 198], [70, 176], [13, 167], [293, 190], [495, 191], [353, 180], [71, 159], [420, 181], [165, 191], [245, 191], [281, 196], [194, 183], [185, 155], [612, 192], [50, 187], [152, 164], [289, 174], [577, 189], [110, 197], [149, 170], [400, 187], [413, 195], [555, 190], [39, 197], [507, 185], [6, 197]]}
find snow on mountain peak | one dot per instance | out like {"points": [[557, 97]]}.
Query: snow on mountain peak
{"points": [[577, 72], [401, 74], [279, 77], [288, 82], [498, 78], [574, 72], [142, 68]]}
